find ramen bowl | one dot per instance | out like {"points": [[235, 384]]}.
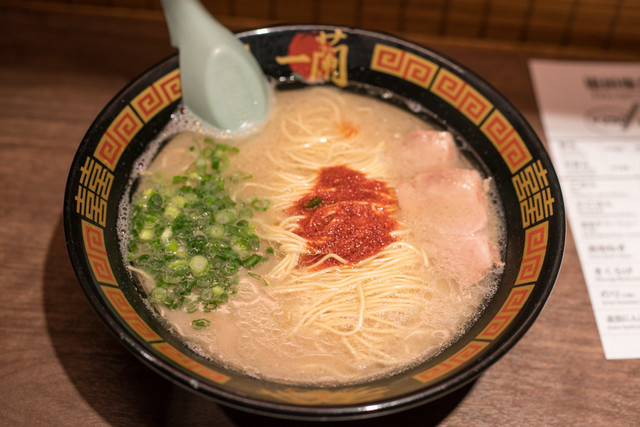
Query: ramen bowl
{"points": [[497, 139]]}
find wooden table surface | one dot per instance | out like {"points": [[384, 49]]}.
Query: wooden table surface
{"points": [[59, 365]]}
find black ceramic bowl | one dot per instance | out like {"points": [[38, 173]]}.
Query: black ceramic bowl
{"points": [[501, 143]]}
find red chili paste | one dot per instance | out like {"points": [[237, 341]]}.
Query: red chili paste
{"points": [[345, 214]]}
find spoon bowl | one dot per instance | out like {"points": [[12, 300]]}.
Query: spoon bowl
{"points": [[222, 83]]}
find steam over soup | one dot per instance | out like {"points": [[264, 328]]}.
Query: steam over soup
{"points": [[346, 241]]}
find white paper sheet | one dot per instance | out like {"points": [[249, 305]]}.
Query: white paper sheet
{"points": [[591, 116]]}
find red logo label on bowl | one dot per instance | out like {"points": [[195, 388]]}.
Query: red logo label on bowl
{"points": [[318, 56]]}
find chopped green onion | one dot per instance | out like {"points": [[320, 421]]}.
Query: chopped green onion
{"points": [[239, 176], [216, 231], [260, 204], [198, 264], [245, 213], [176, 264], [166, 235], [172, 245], [155, 201], [177, 201], [206, 294], [192, 307], [314, 202], [171, 211], [226, 215], [181, 252], [252, 261], [191, 237], [257, 276], [203, 283], [200, 323], [146, 234], [158, 294]]}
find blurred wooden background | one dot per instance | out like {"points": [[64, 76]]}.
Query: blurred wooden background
{"points": [[609, 26]]}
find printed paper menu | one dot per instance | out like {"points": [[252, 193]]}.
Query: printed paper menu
{"points": [[591, 117]]}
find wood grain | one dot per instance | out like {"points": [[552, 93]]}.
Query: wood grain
{"points": [[598, 25], [59, 365]]}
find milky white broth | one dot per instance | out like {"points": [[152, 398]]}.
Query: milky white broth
{"points": [[262, 330]]}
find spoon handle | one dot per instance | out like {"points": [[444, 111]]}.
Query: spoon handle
{"points": [[188, 19]]}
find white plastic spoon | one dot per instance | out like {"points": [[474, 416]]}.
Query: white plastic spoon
{"points": [[222, 82]]}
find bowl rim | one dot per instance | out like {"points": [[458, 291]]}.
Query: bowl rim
{"points": [[376, 408]]}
